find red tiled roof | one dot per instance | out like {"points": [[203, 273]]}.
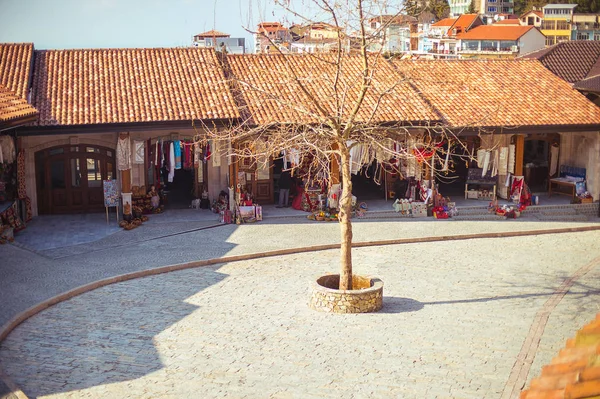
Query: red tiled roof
{"points": [[495, 32], [72, 87], [212, 33], [464, 23], [268, 92], [445, 22], [15, 67], [575, 372], [589, 84], [270, 27], [508, 22], [498, 93], [538, 13], [571, 61], [13, 108]]}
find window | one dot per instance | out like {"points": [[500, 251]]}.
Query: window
{"points": [[560, 39], [550, 40], [491, 1], [583, 36], [489, 45], [549, 25], [537, 19], [492, 9], [506, 45], [562, 25], [470, 45], [596, 36], [373, 25]]}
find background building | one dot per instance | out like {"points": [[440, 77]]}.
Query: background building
{"points": [[219, 41]]}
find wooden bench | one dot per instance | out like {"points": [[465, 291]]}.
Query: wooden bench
{"points": [[568, 177]]}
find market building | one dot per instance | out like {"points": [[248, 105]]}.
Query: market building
{"points": [[90, 101], [113, 114]]}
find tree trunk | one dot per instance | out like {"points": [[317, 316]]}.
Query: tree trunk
{"points": [[345, 224]]}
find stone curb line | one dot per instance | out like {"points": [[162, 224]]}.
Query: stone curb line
{"points": [[520, 371], [21, 317]]}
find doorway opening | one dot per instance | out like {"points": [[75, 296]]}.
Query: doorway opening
{"points": [[181, 191], [368, 183]]}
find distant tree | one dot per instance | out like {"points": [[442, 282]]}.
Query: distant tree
{"points": [[439, 8], [471, 9]]}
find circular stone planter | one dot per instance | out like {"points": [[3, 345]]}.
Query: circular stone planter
{"points": [[366, 295]]}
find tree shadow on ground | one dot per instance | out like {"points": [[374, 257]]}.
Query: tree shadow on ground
{"points": [[405, 305], [110, 342]]}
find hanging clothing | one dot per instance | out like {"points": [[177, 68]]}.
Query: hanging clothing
{"points": [[123, 154], [553, 159], [177, 152], [171, 162], [216, 157]]}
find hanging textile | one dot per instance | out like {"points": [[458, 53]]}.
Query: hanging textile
{"points": [[503, 161], [177, 152], [138, 154], [200, 173], [21, 191], [445, 167], [480, 158], [511, 158], [171, 162], [216, 159], [553, 159], [8, 149], [494, 163], [123, 154], [207, 152], [486, 163], [356, 157], [197, 155]]}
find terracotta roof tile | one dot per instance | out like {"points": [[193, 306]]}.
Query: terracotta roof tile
{"points": [[575, 372], [13, 108], [266, 89], [491, 93], [15, 67], [73, 87], [495, 32], [464, 23], [538, 13], [445, 22], [571, 61], [212, 33]]}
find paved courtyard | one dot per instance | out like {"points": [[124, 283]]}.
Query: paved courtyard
{"points": [[456, 316]]}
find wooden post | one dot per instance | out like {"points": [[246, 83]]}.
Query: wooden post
{"points": [[519, 154]]}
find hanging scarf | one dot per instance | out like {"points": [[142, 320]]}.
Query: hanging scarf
{"points": [[177, 152], [21, 191], [171, 162]]}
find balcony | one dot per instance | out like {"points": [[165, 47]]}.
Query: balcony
{"points": [[585, 26]]}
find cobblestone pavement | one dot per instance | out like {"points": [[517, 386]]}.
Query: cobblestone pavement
{"points": [[455, 317]]}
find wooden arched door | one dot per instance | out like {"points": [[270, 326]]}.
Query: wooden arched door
{"points": [[69, 178]]}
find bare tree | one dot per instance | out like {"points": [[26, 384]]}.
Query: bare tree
{"points": [[334, 112]]}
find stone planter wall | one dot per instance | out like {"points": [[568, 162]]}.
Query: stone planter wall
{"points": [[366, 295]]}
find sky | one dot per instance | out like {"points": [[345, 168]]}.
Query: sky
{"points": [[65, 24]]}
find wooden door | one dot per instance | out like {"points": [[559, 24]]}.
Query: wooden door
{"points": [[69, 178]]}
